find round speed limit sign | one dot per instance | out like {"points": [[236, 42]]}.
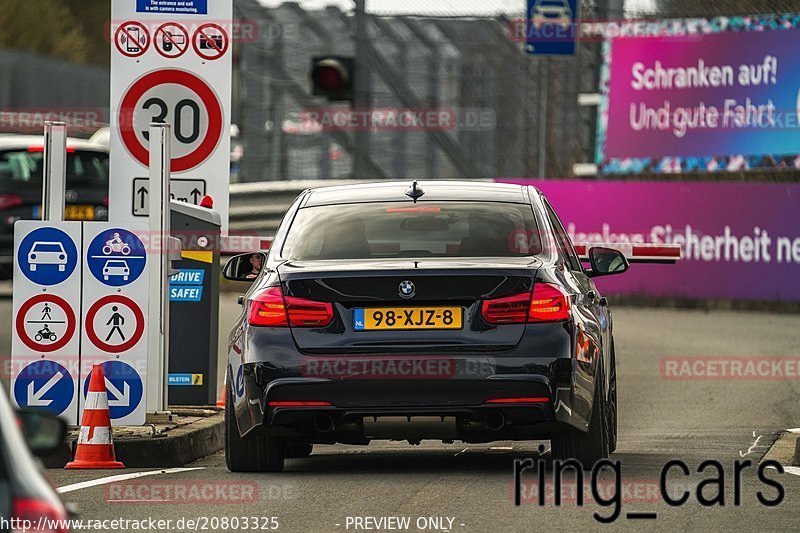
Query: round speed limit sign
{"points": [[181, 99]]}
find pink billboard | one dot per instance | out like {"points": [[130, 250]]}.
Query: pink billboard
{"points": [[702, 95], [740, 241]]}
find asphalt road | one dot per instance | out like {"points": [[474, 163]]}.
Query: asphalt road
{"points": [[660, 419]]}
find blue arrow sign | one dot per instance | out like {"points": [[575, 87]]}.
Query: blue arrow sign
{"points": [[47, 256], [116, 257], [124, 388], [44, 385]]}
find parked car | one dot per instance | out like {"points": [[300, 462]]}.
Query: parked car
{"points": [[21, 165]]}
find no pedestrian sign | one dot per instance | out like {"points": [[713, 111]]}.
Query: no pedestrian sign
{"points": [[115, 305]]}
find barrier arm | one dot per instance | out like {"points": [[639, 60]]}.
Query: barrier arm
{"points": [[636, 253]]}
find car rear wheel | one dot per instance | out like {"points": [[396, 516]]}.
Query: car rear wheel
{"points": [[592, 446], [612, 403], [256, 453]]}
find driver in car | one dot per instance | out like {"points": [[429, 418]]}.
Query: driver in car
{"points": [[255, 263]]}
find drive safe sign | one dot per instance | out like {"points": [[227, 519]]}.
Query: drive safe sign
{"points": [[173, 68]]}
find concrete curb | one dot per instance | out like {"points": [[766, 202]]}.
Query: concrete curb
{"points": [[176, 447], [796, 458], [785, 449]]}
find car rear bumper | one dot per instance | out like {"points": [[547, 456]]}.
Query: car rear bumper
{"points": [[418, 409], [463, 383], [477, 408]]}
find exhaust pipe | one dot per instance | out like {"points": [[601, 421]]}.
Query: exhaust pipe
{"points": [[322, 422], [495, 420]]}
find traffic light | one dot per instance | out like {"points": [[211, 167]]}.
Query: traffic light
{"points": [[333, 76]]}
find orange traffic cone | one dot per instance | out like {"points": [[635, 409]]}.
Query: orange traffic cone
{"points": [[95, 445]]}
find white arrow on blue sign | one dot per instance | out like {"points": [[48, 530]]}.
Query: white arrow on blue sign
{"points": [[124, 388], [44, 385]]}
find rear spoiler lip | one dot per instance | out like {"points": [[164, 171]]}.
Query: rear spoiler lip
{"points": [[636, 253]]}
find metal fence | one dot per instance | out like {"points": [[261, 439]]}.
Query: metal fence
{"points": [[31, 82], [504, 102]]}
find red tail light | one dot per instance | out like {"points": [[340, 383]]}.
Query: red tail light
{"points": [[52, 516], [546, 304], [7, 201], [508, 310], [38, 149], [272, 308], [518, 400]]}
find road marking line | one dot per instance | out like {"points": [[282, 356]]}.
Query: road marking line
{"points": [[459, 453], [751, 448], [122, 477], [794, 470]]}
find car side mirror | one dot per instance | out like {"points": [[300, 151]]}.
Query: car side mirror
{"points": [[606, 261], [244, 267], [43, 432]]}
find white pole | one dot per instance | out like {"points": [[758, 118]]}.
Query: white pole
{"points": [[55, 170], [158, 337]]}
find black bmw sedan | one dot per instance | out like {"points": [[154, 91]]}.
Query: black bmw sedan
{"points": [[425, 310]]}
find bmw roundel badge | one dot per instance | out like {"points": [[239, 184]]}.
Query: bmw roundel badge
{"points": [[407, 289]]}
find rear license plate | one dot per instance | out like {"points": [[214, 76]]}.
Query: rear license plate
{"points": [[71, 212], [407, 318], [79, 212]]}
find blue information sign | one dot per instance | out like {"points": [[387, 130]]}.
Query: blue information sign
{"points": [[47, 256], [552, 27], [182, 7], [44, 385], [116, 257], [124, 387]]}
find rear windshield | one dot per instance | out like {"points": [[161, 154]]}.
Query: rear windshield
{"points": [[392, 230], [23, 167]]}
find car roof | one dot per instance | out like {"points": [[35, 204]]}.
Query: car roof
{"points": [[12, 142], [435, 191]]}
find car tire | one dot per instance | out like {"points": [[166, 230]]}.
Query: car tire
{"points": [[612, 403], [256, 453], [592, 446], [297, 448]]}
